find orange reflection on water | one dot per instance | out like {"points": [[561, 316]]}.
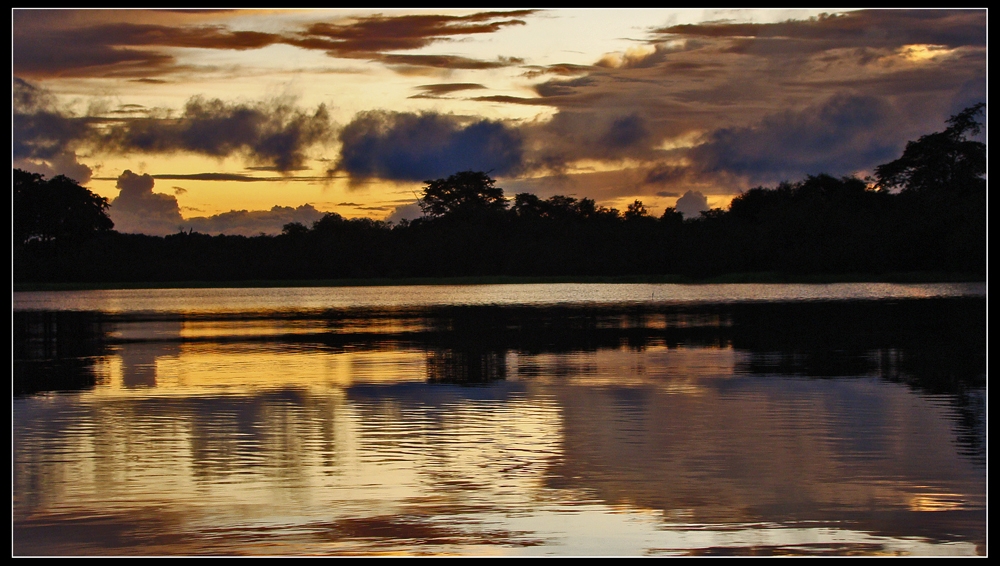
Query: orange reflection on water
{"points": [[274, 446], [193, 368], [680, 370], [937, 502]]}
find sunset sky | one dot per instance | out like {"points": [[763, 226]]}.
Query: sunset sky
{"points": [[241, 121]]}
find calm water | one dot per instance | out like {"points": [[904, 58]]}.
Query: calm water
{"points": [[502, 420]]}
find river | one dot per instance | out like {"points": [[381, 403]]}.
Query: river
{"points": [[547, 419]]}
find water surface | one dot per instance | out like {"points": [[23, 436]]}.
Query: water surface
{"points": [[643, 420], [308, 298]]}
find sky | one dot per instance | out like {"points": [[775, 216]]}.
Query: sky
{"points": [[240, 121]]}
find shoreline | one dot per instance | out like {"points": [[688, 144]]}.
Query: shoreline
{"points": [[731, 278]]}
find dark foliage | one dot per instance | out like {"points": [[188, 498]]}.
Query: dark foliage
{"points": [[943, 162], [58, 210], [464, 193]]}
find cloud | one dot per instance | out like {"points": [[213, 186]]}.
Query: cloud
{"points": [[440, 90], [138, 210], [273, 132], [446, 62], [94, 51], [640, 57], [862, 28], [63, 164], [252, 223], [664, 173], [513, 100], [564, 87], [605, 134], [838, 137], [367, 36], [416, 147], [276, 133], [625, 131], [691, 204], [734, 103], [98, 44], [402, 212], [712, 107], [565, 69], [379, 38], [44, 136]]}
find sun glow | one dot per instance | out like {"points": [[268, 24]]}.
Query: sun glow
{"points": [[921, 52], [683, 141]]}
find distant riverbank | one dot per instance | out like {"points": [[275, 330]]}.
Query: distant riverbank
{"points": [[765, 277]]}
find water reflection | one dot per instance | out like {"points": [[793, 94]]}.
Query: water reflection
{"points": [[276, 301], [846, 427], [55, 351], [934, 345]]}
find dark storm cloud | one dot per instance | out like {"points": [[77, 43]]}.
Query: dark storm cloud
{"points": [[275, 132], [604, 134], [439, 90], [44, 136], [840, 136], [41, 129], [661, 174], [624, 132], [416, 147]]}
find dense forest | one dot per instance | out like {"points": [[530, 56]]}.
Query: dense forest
{"points": [[923, 212]]}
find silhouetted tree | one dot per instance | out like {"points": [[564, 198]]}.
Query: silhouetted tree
{"points": [[939, 219], [635, 210], [55, 210], [942, 161], [463, 193], [295, 229], [672, 217], [528, 205]]}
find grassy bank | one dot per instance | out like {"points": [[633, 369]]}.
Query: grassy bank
{"points": [[767, 277]]}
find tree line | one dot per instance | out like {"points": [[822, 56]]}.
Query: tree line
{"points": [[925, 211]]}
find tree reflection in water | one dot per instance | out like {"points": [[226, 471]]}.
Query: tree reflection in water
{"points": [[494, 402]]}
